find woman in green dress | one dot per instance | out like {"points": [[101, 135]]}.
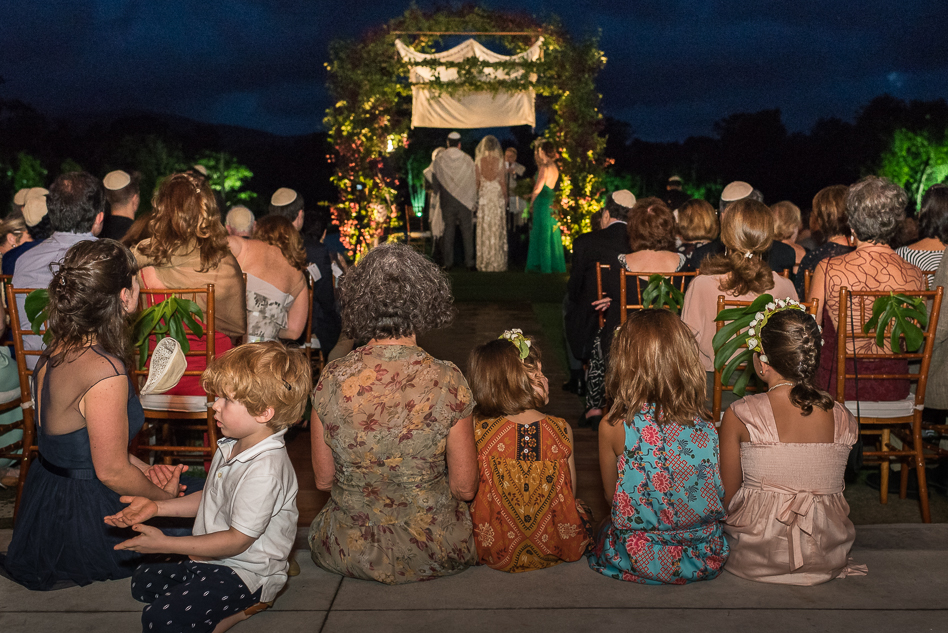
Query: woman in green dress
{"points": [[545, 254]]}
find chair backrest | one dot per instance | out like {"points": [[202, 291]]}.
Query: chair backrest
{"points": [[807, 279], [25, 374], [599, 293], [719, 388], [848, 343], [5, 280], [638, 281], [785, 273], [929, 276]]}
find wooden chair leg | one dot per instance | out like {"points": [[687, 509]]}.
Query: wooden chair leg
{"points": [[884, 468], [920, 472], [903, 481]]}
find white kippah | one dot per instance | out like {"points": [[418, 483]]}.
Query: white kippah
{"points": [[454, 136], [20, 198], [34, 210], [115, 180], [282, 197], [239, 218], [737, 190], [624, 197], [200, 169]]}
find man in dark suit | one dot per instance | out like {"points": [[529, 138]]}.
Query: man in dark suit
{"points": [[598, 246]]}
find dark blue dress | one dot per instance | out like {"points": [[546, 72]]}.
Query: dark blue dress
{"points": [[60, 538]]}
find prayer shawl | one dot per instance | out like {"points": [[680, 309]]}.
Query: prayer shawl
{"points": [[454, 171]]}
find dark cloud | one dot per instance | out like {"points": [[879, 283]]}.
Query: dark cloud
{"points": [[674, 67]]}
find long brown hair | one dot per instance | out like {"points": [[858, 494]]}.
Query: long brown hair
{"points": [[85, 298], [747, 230], [501, 383], [278, 231], [654, 360], [186, 215]]}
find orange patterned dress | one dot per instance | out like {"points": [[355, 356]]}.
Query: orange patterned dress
{"points": [[525, 514]]}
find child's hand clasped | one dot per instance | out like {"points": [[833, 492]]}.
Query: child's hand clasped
{"points": [[151, 540], [138, 511], [167, 478]]}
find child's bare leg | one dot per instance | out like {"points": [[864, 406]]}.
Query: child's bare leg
{"points": [[230, 621]]}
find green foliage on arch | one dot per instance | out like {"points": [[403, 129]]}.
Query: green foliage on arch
{"points": [[371, 117]]}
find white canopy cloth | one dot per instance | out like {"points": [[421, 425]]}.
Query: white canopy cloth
{"points": [[469, 109]]}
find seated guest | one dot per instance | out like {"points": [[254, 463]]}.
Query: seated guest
{"points": [[37, 224], [76, 204], [13, 232], [828, 222], [240, 221], [747, 231], [600, 246], [780, 257], [188, 249], [783, 454], [392, 436], [875, 208], [651, 233], [87, 415], [537, 522], [121, 189], [274, 262], [655, 452], [933, 229], [787, 227], [697, 225]]}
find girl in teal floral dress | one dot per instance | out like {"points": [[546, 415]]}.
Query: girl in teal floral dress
{"points": [[659, 459]]}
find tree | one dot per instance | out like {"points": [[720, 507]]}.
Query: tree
{"points": [[228, 177], [916, 160], [154, 157], [29, 172]]}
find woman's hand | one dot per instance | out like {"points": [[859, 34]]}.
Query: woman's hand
{"points": [[601, 305], [162, 476], [150, 540], [139, 510]]}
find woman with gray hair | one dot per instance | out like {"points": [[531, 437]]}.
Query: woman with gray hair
{"points": [[491, 206], [392, 435], [875, 207]]}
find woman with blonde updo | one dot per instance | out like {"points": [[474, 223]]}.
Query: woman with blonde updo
{"points": [[275, 264], [783, 454], [740, 273], [188, 249], [86, 414]]}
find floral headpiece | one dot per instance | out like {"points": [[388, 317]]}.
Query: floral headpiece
{"points": [[754, 341], [519, 341]]}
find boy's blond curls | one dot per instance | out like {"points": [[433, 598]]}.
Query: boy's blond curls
{"points": [[263, 375]]}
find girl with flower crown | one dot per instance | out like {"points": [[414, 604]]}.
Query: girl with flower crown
{"points": [[525, 513], [783, 453], [659, 459]]}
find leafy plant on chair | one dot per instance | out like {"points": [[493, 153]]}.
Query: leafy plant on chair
{"points": [[37, 312], [168, 318], [730, 344], [905, 314], [661, 293]]}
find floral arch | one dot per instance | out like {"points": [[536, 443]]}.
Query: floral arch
{"points": [[370, 120]]}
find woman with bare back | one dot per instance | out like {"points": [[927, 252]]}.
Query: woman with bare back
{"points": [[491, 206]]}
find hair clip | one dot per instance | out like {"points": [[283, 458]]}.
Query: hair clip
{"points": [[287, 385], [748, 254], [519, 340]]}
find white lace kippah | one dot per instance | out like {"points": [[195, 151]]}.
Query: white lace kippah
{"points": [[737, 190], [34, 209], [624, 197], [454, 136], [282, 197], [115, 180]]}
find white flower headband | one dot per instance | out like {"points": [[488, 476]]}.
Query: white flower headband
{"points": [[754, 341], [521, 342]]}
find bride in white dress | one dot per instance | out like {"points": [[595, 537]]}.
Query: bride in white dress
{"points": [[491, 206]]}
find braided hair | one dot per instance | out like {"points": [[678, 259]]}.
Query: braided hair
{"points": [[792, 342]]}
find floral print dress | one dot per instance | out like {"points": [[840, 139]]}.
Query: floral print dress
{"points": [[387, 411], [525, 515], [667, 509]]}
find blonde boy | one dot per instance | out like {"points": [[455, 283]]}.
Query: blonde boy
{"points": [[245, 518]]}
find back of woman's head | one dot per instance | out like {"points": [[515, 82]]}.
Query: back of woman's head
{"points": [[876, 208], [792, 342], [279, 231], [786, 219], [747, 231], [697, 221], [654, 360], [489, 146], [651, 226], [829, 212], [393, 292], [502, 383], [186, 216], [933, 216], [85, 297], [544, 152]]}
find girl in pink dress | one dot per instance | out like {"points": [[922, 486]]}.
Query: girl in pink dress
{"points": [[783, 453]]}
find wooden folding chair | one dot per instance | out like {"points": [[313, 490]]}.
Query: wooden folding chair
{"points": [[639, 281], [807, 279], [162, 411], [718, 388], [901, 418], [28, 443], [601, 315], [313, 354], [929, 276]]}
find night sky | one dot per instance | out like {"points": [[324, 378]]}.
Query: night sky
{"points": [[673, 69]]}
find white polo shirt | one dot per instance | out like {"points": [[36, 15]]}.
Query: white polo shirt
{"points": [[255, 493]]}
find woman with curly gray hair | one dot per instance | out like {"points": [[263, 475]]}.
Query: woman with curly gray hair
{"points": [[392, 435], [875, 208]]}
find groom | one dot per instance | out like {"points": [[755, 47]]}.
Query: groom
{"points": [[454, 178]]}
